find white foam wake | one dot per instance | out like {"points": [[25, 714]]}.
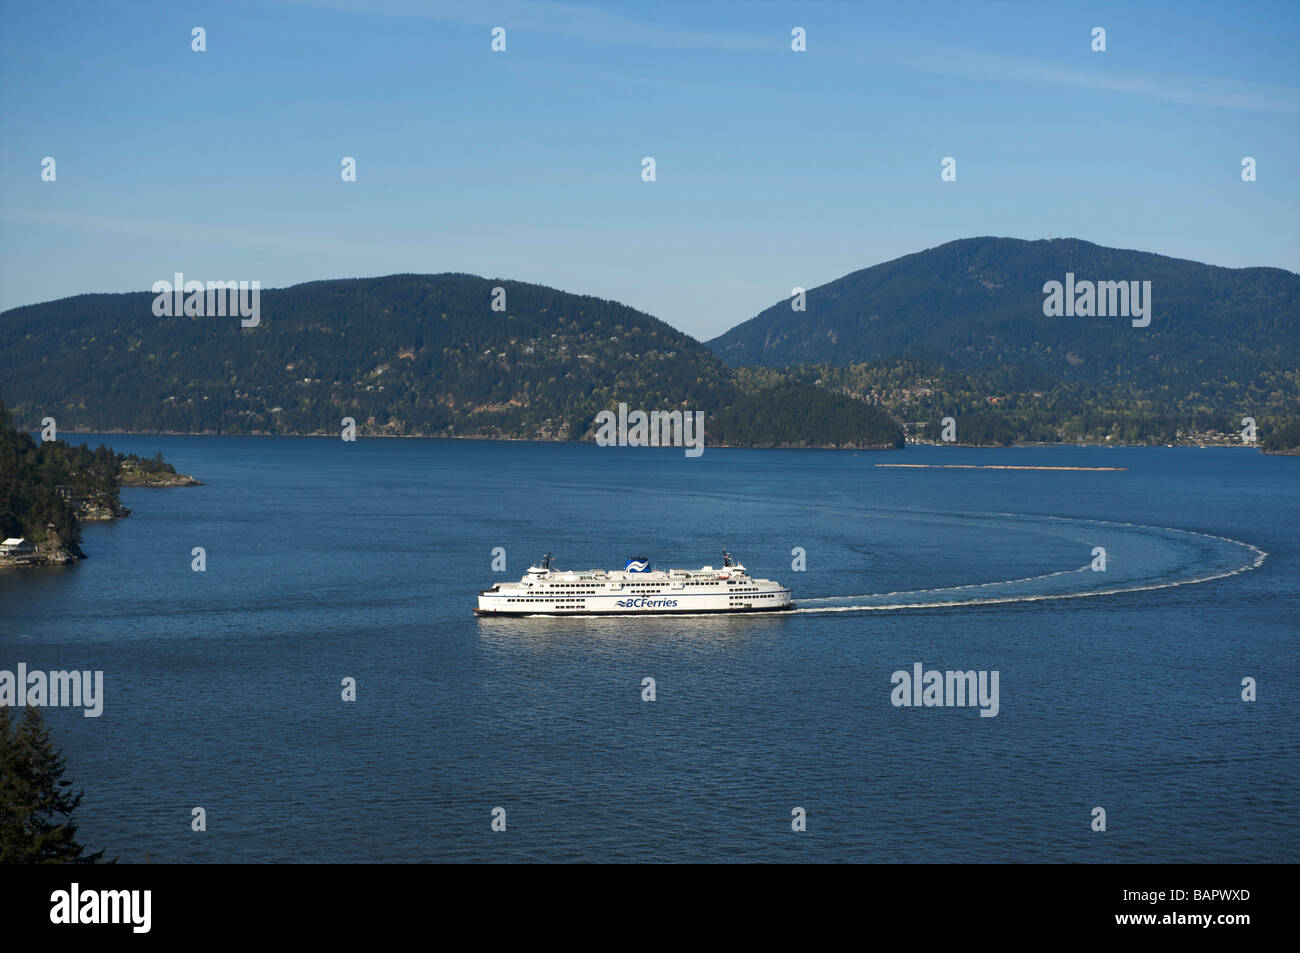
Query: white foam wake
{"points": [[1257, 559]]}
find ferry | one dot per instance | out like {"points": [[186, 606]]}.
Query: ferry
{"points": [[637, 589]]}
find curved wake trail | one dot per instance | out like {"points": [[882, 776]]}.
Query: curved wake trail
{"points": [[1034, 589], [915, 592]]}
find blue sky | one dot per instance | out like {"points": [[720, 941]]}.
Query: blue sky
{"points": [[774, 168]]}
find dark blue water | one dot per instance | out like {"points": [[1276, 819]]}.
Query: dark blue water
{"points": [[328, 560]]}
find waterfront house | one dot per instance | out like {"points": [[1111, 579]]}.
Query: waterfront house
{"points": [[16, 546]]}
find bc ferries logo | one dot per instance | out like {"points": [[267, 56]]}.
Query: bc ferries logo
{"points": [[641, 603], [637, 565]]}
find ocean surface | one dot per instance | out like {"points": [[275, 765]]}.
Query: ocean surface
{"points": [[1119, 689]]}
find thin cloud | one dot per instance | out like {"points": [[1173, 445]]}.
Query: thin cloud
{"points": [[601, 25], [594, 24], [1189, 90], [199, 232]]}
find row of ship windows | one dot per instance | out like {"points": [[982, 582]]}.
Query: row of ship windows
{"points": [[639, 586], [640, 589], [631, 585], [565, 600], [557, 601], [733, 593], [645, 587]]}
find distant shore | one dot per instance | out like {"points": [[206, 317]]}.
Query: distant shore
{"points": [[501, 439]]}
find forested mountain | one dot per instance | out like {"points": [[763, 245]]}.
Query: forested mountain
{"points": [[957, 331], [404, 354], [795, 414], [1004, 404], [978, 302], [960, 331]]}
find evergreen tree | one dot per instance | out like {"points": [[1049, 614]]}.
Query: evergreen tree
{"points": [[13, 835], [36, 802]]}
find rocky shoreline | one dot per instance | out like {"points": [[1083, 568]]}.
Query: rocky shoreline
{"points": [[57, 552], [59, 556], [130, 477]]}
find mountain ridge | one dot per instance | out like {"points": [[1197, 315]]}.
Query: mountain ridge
{"points": [[404, 354], [938, 304]]}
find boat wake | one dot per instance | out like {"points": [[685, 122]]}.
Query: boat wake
{"points": [[1159, 557], [1140, 558]]}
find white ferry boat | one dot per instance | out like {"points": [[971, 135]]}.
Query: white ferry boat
{"points": [[636, 589]]}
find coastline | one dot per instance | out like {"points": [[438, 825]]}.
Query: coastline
{"points": [[91, 510], [157, 480], [493, 437]]}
